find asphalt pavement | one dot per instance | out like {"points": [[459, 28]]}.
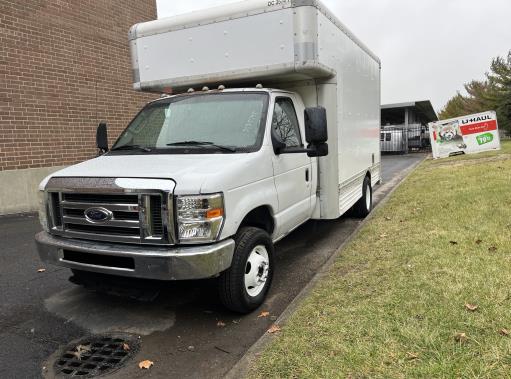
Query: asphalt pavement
{"points": [[184, 331]]}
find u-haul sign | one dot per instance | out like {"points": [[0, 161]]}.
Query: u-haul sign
{"points": [[467, 134]]}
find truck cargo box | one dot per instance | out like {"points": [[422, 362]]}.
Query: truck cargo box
{"points": [[242, 42], [299, 46]]}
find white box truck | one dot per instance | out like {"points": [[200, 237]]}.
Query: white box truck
{"points": [[273, 119], [464, 135]]}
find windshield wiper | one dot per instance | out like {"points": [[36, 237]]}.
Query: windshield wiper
{"points": [[132, 147], [202, 144]]}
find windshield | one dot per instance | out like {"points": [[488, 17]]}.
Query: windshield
{"points": [[226, 122]]}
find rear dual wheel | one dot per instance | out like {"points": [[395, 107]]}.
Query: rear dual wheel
{"points": [[244, 286]]}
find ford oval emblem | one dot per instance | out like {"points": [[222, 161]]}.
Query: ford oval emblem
{"points": [[98, 215]]}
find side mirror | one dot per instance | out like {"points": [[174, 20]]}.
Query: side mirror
{"points": [[102, 138], [315, 125], [316, 131], [319, 150]]}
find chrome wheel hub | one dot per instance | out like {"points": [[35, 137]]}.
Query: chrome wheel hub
{"points": [[256, 270]]}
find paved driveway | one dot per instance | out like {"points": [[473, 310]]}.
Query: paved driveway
{"points": [[184, 330]]}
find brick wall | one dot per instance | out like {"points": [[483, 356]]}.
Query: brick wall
{"points": [[64, 66]]}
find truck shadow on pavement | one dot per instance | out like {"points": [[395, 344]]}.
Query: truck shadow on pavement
{"points": [[297, 258]]}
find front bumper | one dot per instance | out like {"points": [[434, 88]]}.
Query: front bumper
{"points": [[147, 262]]}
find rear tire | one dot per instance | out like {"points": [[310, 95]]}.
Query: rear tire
{"points": [[244, 286], [365, 204]]}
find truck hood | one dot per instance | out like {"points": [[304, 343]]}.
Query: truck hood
{"points": [[199, 173]]}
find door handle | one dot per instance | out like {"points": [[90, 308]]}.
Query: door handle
{"points": [[307, 175]]}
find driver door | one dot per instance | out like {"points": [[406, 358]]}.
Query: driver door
{"points": [[292, 172]]}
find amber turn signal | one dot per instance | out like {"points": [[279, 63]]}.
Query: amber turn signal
{"points": [[213, 213]]}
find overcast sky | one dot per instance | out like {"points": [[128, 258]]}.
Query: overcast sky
{"points": [[428, 48]]}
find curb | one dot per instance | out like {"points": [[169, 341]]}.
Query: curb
{"points": [[241, 368]]}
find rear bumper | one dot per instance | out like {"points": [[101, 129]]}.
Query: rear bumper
{"points": [[146, 262]]}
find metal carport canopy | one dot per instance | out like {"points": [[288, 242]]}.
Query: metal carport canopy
{"points": [[423, 107]]}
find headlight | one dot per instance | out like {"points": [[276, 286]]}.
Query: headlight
{"points": [[200, 218], [43, 213]]}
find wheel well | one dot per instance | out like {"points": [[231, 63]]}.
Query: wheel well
{"points": [[261, 218]]}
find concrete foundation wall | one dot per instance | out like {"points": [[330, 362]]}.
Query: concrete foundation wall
{"points": [[18, 189]]}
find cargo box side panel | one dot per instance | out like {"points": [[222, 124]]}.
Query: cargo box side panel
{"points": [[233, 48], [358, 110]]}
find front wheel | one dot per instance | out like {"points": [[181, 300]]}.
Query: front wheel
{"points": [[244, 286], [364, 205]]}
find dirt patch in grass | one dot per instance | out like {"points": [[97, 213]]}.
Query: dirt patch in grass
{"points": [[423, 291]]}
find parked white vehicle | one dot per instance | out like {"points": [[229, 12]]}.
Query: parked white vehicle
{"points": [[202, 183]]}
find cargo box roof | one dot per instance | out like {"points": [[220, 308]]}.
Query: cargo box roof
{"points": [[233, 11], [242, 44]]}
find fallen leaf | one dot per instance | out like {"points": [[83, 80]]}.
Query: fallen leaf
{"points": [[383, 235], [80, 350], [41, 270], [263, 314], [453, 242], [460, 337], [471, 307], [387, 218], [125, 347], [412, 356], [504, 332], [479, 242], [191, 348], [492, 248], [221, 324], [274, 329], [146, 365]]}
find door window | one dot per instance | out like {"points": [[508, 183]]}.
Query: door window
{"points": [[285, 123]]}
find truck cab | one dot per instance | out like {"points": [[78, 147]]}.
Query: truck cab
{"points": [[192, 176]]}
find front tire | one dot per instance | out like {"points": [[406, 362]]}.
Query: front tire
{"points": [[244, 286], [365, 204]]}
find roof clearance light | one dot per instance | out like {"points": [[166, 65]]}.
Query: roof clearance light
{"points": [[259, 86], [221, 87], [205, 88], [190, 90]]}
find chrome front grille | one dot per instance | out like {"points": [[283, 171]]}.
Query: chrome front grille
{"points": [[133, 217]]}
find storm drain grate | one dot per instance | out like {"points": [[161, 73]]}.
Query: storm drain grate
{"points": [[96, 355]]}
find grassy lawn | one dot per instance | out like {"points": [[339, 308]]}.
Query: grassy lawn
{"points": [[395, 303]]}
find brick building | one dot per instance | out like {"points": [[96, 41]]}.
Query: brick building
{"points": [[64, 67]]}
